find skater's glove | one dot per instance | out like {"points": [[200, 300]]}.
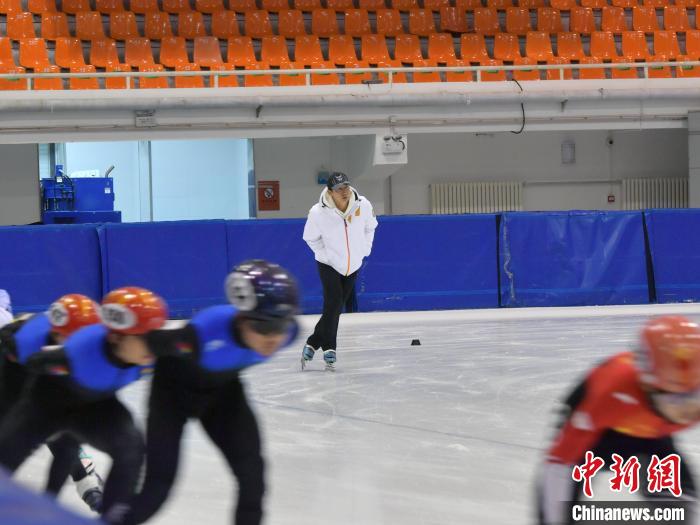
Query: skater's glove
{"points": [[52, 360]]}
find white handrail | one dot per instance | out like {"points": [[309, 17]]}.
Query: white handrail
{"points": [[391, 71]]}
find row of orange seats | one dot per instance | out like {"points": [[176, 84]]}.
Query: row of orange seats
{"points": [[274, 50], [307, 53], [242, 6], [257, 24]]}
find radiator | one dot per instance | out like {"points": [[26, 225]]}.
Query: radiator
{"points": [[475, 197], [665, 192]]}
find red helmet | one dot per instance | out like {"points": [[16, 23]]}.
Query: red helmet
{"points": [[668, 358], [133, 310], [72, 312]]}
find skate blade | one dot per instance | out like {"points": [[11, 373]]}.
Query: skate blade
{"points": [[330, 368]]}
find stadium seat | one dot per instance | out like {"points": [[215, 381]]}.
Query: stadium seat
{"points": [[563, 5], [11, 6], [594, 4], [531, 4], [549, 20], [486, 21], [676, 18], [224, 24], [627, 4], [374, 50], [623, 72], [613, 20], [39, 7], [569, 46], [692, 44], [441, 49], [603, 45], [242, 6], [473, 48], [20, 25], [138, 52], [275, 6], [684, 71], [109, 6], [156, 25], [257, 24], [687, 3], [452, 20], [404, 5], [341, 50], [389, 22], [274, 51], [494, 74], [372, 5], [307, 5], [54, 25], [324, 23], [644, 19], [526, 74], [506, 47], [581, 20], [420, 22], [176, 6], [593, 73], [88, 25], [73, 7], [209, 6], [340, 5], [557, 74], [290, 23], [435, 5], [241, 52], [141, 7], [190, 25], [501, 5], [538, 46], [666, 46], [173, 51], [207, 52], [193, 82], [634, 46], [122, 25], [657, 4], [518, 20], [12, 84], [152, 81], [469, 5], [357, 22]]}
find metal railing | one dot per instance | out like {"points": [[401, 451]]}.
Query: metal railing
{"points": [[390, 72]]}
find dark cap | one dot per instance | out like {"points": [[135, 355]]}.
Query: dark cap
{"points": [[336, 180]]}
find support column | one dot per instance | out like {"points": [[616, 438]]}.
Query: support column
{"points": [[694, 159]]}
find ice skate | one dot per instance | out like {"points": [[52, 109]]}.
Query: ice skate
{"points": [[90, 490], [329, 358], [307, 355]]}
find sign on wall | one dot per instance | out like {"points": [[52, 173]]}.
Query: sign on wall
{"points": [[268, 195]]}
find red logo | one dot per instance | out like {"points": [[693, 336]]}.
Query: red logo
{"points": [[625, 474], [665, 474], [587, 472]]}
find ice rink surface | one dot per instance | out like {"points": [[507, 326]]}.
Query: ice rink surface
{"points": [[448, 432]]}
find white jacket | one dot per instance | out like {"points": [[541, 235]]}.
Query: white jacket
{"points": [[5, 308], [341, 239]]}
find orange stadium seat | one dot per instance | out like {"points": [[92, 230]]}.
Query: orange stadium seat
{"points": [[193, 82], [224, 24], [603, 45], [34, 55], [486, 21], [581, 20], [290, 23], [357, 22], [141, 7], [569, 46], [73, 7], [389, 22], [518, 20], [506, 47], [666, 46], [374, 50], [324, 23], [340, 5], [563, 5], [257, 24], [176, 6], [190, 25], [68, 53], [241, 52], [538, 46], [274, 51], [644, 19], [420, 22], [209, 6], [676, 18], [54, 25], [11, 6], [20, 25], [469, 5], [531, 4], [173, 51], [103, 52], [404, 5], [372, 5], [156, 25], [623, 71], [122, 25], [557, 74], [207, 52], [473, 48], [138, 52], [88, 25], [499, 4], [594, 4], [452, 20], [692, 44], [628, 4], [549, 20], [658, 4], [275, 5], [593, 73], [152, 81], [634, 45], [687, 3], [613, 20], [109, 6], [526, 74], [341, 50], [684, 71], [493, 74], [39, 7], [307, 5], [435, 5], [242, 6], [441, 49]]}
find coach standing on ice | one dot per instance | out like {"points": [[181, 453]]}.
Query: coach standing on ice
{"points": [[340, 231]]}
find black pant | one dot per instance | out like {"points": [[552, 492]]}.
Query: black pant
{"points": [[64, 448], [336, 290], [225, 415], [45, 410], [612, 442]]}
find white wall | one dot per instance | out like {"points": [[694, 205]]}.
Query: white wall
{"points": [[20, 200], [124, 156], [534, 158], [200, 179]]}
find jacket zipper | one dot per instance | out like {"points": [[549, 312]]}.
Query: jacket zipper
{"points": [[347, 245]]}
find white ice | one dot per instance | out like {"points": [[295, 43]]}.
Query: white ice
{"points": [[448, 432]]}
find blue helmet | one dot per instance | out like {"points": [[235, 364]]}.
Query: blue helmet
{"points": [[263, 291]]}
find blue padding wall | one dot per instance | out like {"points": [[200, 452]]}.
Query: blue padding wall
{"points": [[279, 241], [572, 258], [41, 263], [674, 243], [185, 261], [431, 262]]}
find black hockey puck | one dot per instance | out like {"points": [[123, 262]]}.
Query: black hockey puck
{"points": [[415, 342]]}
